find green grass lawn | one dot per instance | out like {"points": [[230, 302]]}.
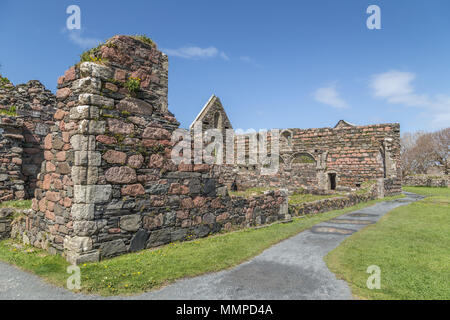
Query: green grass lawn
{"points": [[411, 245], [149, 269]]}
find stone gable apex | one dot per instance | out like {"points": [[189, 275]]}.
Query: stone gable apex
{"points": [[212, 106]]}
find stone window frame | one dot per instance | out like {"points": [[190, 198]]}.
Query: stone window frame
{"points": [[310, 154]]}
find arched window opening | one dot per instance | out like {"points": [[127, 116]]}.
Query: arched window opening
{"points": [[303, 158]]}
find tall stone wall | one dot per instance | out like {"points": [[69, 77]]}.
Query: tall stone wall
{"points": [[308, 157], [12, 184], [31, 107], [108, 185]]}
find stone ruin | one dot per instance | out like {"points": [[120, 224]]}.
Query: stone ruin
{"points": [[96, 161], [27, 115], [318, 160]]}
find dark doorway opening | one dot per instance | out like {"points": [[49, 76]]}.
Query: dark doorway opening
{"points": [[332, 177], [383, 159]]}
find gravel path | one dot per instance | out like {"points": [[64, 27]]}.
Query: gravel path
{"points": [[292, 269]]}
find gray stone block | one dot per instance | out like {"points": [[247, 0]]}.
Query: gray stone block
{"points": [[112, 248]]}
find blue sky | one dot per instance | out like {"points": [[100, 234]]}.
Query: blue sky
{"points": [[274, 64]]}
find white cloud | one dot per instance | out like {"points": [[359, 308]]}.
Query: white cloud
{"points": [[249, 60], [196, 53], [392, 83], [84, 42], [330, 96], [396, 88], [224, 56]]}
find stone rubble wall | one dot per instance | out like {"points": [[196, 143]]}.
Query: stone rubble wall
{"points": [[12, 184], [6, 215], [425, 180], [34, 107], [329, 204], [355, 154], [107, 185], [391, 187]]}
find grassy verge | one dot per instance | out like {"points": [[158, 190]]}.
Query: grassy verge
{"points": [[410, 245], [302, 198], [149, 269]]}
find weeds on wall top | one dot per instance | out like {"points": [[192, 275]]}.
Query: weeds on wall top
{"points": [[4, 81], [92, 55], [145, 39]]}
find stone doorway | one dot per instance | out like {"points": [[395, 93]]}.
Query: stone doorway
{"points": [[332, 181]]}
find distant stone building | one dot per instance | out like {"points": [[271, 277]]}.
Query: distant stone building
{"points": [[340, 158], [212, 116]]}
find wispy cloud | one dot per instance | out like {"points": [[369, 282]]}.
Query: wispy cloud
{"points": [[249, 60], [196, 53], [330, 96], [396, 87], [76, 36]]}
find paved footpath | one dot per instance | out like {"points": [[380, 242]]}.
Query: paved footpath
{"points": [[292, 269]]}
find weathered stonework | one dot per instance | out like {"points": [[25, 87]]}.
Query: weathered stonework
{"points": [[107, 185], [12, 184], [24, 130], [6, 216], [312, 158], [335, 203], [426, 180]]}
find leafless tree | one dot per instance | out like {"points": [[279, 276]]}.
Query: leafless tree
{"points": [[441, 146], [421, 151]]}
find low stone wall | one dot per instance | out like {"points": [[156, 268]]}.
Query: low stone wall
{"points": [[195, 217], [426, 180], [330, 204], [5, 222], [391, 187]]}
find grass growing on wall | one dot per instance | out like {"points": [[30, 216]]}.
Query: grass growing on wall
{"points": [[306, 197], [11, 111], [410, 245], [149, 269], [16, 204], [250, 192]]}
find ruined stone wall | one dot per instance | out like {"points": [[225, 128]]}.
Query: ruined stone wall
{"points": [[6, 218], [337, 203], [426, 180], [31, 106], [108, 185], [12, 184], [307, 156]]}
